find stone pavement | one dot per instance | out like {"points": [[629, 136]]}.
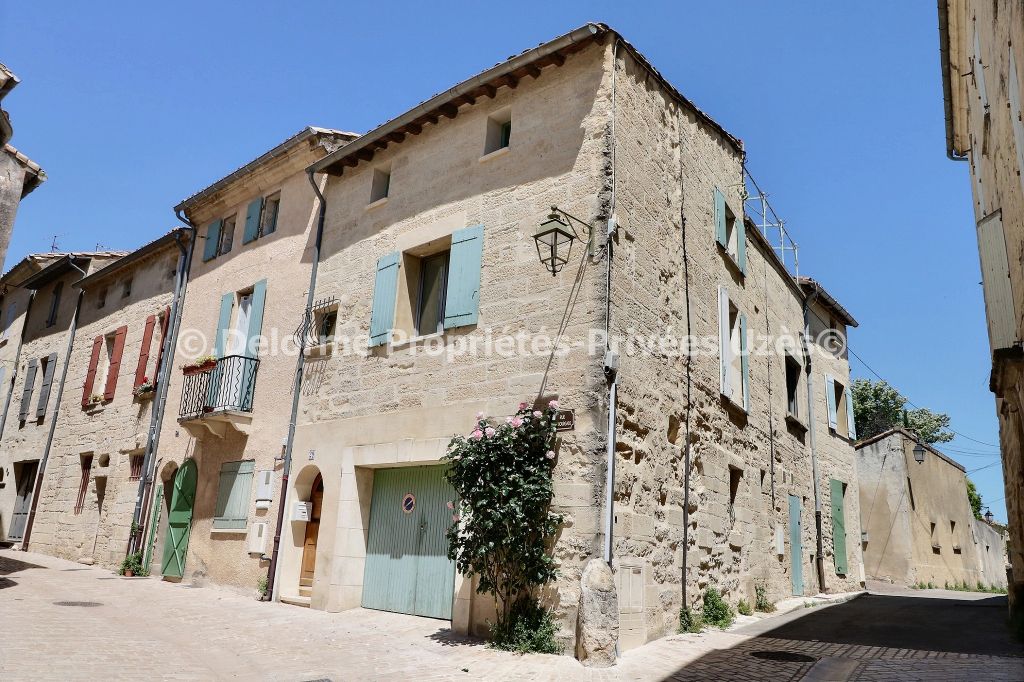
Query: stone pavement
{"points": [[65, 621]]}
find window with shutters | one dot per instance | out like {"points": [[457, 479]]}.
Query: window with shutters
{"points": [[233, 492], [135, 467], [842, 411], [268, 215], [730, 233], [55, 294], [793, 372], [85, 464], [103, 369], [227, 235]]}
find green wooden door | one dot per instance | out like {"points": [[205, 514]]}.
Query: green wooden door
{"points": [[407, 566], [838, 527], [796, 549], [179, 520], [154, 522]]}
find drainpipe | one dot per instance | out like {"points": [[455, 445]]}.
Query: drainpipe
{"points": [[37, 488], [819, 560], [275, 567], [17, 363], [156, 418]]}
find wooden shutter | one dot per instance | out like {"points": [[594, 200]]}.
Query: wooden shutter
{"points": [[233, 495], [851, 427], [90, 375], [744, 362], [259, 297], [385, 289], [1016, 115], [26, 393], [44, 389], [741, 245], [212, 241], [462, 301], [164, 325], [838, 527], [227, 302], [720, 235], [147, 341], [724, 349], [1000, 305], [830, 396], [979, 72], [252, 220], [115, 363]]}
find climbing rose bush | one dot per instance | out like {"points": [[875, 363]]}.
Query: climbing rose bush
{"points": [[503, 529]]}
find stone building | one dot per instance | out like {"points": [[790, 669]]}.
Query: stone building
{"points": [[19, 175], [429, 274], [47, 336], [981, 47], [88, 494], [224, 421], [917, 520]]}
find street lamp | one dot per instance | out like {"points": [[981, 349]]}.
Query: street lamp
{"points": [[989, 516], [918, 453], [554, 238]]}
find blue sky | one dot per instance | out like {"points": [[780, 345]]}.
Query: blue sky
{"points": [[132, 107]]}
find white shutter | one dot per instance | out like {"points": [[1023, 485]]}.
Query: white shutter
{"points": [[851, 428], [830, 398], [995, 277], [724, 348]]}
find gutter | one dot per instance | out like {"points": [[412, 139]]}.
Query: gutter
{"points": [[819, 559], [143, 498], [947, 89], [37, 488]]}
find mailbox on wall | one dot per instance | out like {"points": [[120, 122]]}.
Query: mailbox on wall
{"points": [[301, 511]]}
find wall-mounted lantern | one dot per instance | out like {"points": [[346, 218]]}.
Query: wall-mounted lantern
{"points": [[919, 453], [989, 516], [554, 238]]}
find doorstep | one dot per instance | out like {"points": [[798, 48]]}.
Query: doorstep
{"points": [[296, 600]]}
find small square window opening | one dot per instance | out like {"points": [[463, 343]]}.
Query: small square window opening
{"points": [[499, 131]]}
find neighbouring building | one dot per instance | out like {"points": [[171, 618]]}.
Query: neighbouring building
{"points": [[88, 494], [429, 272], [918, 526], [225, 419], [19, 175], [981, 48], [47, 335]]}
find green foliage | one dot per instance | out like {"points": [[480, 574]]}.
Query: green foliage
{"points": [[878, 407], [261, 585], [133, 563], [974, 497], [528, 628], [761, 601], [716, 611], [744, 608], [690, 621], [931, 585], [503, 528]]}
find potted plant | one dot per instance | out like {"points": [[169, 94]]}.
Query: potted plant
{"points": [[144, 390], [201, 364], [95, 399], [132, 565]]}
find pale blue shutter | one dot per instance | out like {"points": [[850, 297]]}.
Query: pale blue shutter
{"points": [[830, 396], [212, 240], [227, 302], [720, 234], [385, 289], [744, 362], [233, 495], [248, 386], [724, 356], [741, 245], [252, 220], [462, 303], [851, 427]]}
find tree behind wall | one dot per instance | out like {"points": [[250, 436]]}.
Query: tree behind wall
{"points": [[975, 499], [878, 407]]}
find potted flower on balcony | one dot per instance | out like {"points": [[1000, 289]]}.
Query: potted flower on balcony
{"points": [[144, 390], [95, 399], [203, 363]]}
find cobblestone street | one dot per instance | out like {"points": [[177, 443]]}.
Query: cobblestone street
{"points": [[65, 621]]}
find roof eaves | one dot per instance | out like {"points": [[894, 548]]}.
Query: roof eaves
{"points": [[36, 175], [58, 267], [161, 243], [809, 284], [910, 435]]}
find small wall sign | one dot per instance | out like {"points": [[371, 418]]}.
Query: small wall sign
{"points": [[312, 455], [565, 420], [408, 503]]}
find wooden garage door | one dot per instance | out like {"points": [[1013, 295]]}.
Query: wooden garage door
{"points": [[407, 567]]}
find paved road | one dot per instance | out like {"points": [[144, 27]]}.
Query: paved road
{"points": [[63, 621]]}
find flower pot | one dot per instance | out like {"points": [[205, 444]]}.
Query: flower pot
{"points": [[196, 369], [128, 573]]}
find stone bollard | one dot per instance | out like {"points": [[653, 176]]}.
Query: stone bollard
{"points": [[598, 621]]}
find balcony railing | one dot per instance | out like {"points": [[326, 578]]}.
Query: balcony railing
{"points": [[228, 386]]}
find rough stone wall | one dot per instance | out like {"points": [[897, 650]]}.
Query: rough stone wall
{"points": [[112, 431], [12, 180], [8, 358], [885, 511], [991, 552]]}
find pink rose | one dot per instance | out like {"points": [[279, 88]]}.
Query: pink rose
{"points": [[455, 518], [490, 432], [451, 506], [522, 406], [553, 404], [550, 454], [537, 413], [508, 420], [479, 415], [517, 422], [477, 435]]}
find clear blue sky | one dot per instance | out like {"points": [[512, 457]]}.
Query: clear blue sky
{"points": [[131, 107]]}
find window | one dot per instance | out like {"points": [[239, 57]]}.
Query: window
{"points": [[432, 289], [936, 547], [792, 386], [729, 232], [733, 351], [842, 423], [51, 318], [227, 236], [840, 408], [83, 483], [126, 288], [952, 537], [499, 131], [135, 467], [326, 324], [910, 494], [232, 511], [380, 186], [735, 475], [101, 299], [268, 216]]}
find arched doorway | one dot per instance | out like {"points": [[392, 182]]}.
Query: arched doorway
{"points": [[179, 520], [316, 497]]}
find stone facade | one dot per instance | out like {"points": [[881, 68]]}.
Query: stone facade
{"points": [[982, 55], [918, 520], [134, 295], [19, 175]]}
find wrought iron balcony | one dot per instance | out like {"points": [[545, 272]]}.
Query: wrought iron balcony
{"points": [[219, 396]]}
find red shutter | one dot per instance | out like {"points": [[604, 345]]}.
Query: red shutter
{"points": [[147, 341], [163, 335], [90, 376], [115, 363]]}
